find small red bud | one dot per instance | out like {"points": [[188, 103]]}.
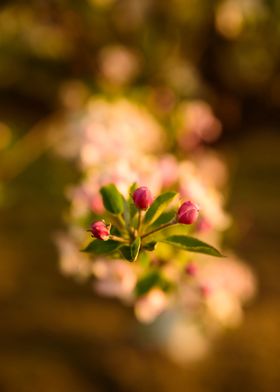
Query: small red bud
{"points": [[205, 291], [203, 225], [187, 213], [142, 198], [191, 269], [100, 231]]}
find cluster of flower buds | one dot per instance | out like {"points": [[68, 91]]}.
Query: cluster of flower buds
{"points": [[142, 197], [141, 221]]}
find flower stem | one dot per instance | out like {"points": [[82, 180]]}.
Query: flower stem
{"points": [[121, 220], [159, 228], [118, 222], [116, 238], [139, 222]]}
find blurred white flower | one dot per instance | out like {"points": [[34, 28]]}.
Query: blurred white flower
{"points": [[118, 64], [120, 142], [211, 168], [168, 167], [151, 305], [115, 278], [185, 341], [197, 123], [224, 308], [72, 261], [229, 275], [117, 130], [194, 187]]}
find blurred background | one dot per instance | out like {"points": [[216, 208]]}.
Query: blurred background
{"points": [[55, 334]]}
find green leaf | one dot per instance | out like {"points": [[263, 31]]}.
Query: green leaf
{"points": [[134, 248], [146, 283], [126, 253], [149, 281], [144, 259], [192, 245], [112, 199], [131, 252], [133, 188], [161, 234], [158, 206], [100, 247], [150, 246], [164, 218], [132, 208]]}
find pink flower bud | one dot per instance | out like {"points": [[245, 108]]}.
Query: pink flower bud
{"points": [[100, 230], [96, 204], [142, 198], [205, 290], [203, 225], [187, 213], [191, 269]]}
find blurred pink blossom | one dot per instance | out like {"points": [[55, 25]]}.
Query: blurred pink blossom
{"points": [[121, 142], [211, 167], [210, 201], [151, 305], [168, 167], [72, 261], [115, 278], [203, 225], [114, 130], [118, 64], [230, 275], [198, 124]]}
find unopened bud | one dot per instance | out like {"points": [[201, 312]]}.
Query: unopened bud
{"points": [[191, 269], [100, 231], [142, 198], [188, 213], [203, 225], [205, 290]]}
